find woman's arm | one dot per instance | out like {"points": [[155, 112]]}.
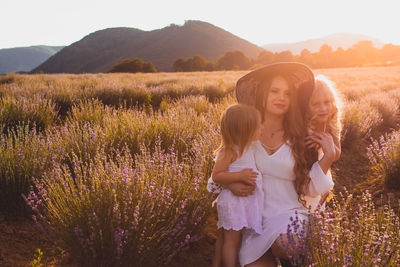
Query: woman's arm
{"points": [[238, 189]]}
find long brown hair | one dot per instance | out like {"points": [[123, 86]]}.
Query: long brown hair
{"points": [[295, 132], [239, 124]]}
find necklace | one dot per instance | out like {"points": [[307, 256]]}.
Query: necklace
{"points": [[274, 132], [272, 148]]}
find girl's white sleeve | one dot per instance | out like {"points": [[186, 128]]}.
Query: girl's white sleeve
{"points": [[212, 186], [320, 182]]}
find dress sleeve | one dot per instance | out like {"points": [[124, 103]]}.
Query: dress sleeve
{"points": [[320, 182], [212, 186]]}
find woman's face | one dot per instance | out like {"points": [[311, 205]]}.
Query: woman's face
{"points": [[320, 107], [278, 97]]}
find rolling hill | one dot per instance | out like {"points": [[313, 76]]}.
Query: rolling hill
{"points": [[25, 58], [344, 40], [99, 51]]}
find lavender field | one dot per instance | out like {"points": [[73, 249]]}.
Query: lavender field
{"points": [[113, 167]]}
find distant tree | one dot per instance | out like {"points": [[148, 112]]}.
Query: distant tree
{"points": [[284, 56], [339, 58], [324, 57], [234, 60], [325, 49], [305, 52], [365, 51], [179, 65], [133, 66], [265, 57], [306, 57], [196, 63], [148, 67], [390, 52]]}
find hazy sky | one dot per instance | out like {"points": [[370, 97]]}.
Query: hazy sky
{"points": [[55, 22]]}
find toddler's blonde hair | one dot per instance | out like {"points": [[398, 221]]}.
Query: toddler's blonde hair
{"points": [[239, 123], [326, 87]]}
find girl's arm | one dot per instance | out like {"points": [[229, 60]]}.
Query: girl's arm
{"points": [[321, 180], [222, 177], [338, 148], [325, 141]]}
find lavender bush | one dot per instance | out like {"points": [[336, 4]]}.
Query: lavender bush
{"points": [[359, 120], [384, 155], [109, 213], [120, 160], [37, 111], [23, 154], [348, 233]]}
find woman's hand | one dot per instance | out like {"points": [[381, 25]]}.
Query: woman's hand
{"points": [[240, 189]]}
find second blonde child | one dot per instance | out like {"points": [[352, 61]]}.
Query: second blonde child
{"points": [[324, 118]]}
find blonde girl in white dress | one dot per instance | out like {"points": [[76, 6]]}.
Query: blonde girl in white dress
{"points": [[240, 127], [288, 172], [323, 116]]}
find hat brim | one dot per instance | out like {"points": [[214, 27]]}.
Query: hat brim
{"points": [[300, 74]]}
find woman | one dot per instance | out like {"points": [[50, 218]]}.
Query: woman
{"points": [[289, 172]]}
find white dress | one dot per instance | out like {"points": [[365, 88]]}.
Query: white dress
{"points": [[280, 199], [236, 213]]}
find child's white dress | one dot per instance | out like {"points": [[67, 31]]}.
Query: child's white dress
{"points": [[235, 212]]}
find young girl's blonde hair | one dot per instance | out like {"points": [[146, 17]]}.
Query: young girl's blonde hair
{"points": [[326, 87], [239, 124]]}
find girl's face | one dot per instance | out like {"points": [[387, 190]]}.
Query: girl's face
{"points": [[278, 97], [321, 107]]}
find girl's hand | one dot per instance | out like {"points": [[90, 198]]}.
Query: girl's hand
{"points": [[240, 189], [325, 141], [310, 143], [248, 176]]}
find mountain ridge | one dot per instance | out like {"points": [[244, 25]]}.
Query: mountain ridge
{"points": [[24, 59], [101, 50]]}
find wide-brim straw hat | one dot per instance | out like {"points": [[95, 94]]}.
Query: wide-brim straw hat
{"points": [[301, 77]]}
